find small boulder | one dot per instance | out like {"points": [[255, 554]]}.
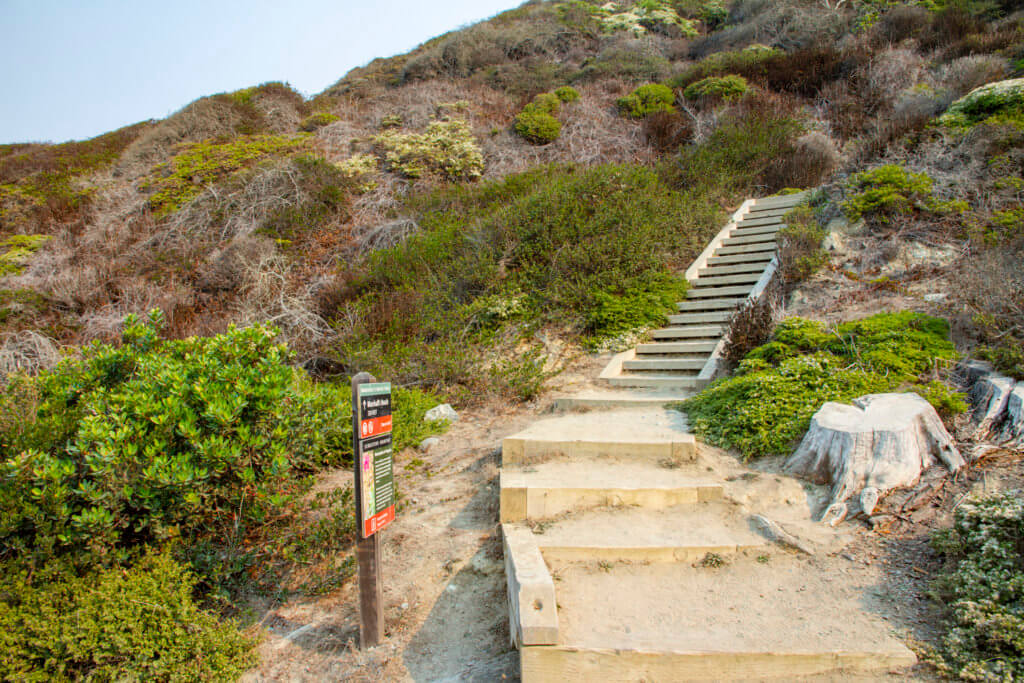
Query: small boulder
{"points": [[441, 412], [428, 444]]}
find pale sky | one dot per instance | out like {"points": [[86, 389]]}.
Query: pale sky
{"points": [[74, 69]]}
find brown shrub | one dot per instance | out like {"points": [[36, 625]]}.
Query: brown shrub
{"points": [[901, 23], [668, 131], [811, 159], [964, 74], [750, 326]]}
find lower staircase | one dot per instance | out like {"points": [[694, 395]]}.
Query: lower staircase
{"points": [[736, 266], [633, 553]]}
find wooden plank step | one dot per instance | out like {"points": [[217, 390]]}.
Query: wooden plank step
{"points": [[706, 317], [657, 382], [761, 230], [765, 213], [746, 249], [733, 279], [788, 200], [663, 363], [715, 271], [689, 332], [759, 222], [710, 292], [749, 239], [728, 303], [762, 257], [677, 347]]}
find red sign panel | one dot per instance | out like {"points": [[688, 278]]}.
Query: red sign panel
{"points": [[374, 426]]}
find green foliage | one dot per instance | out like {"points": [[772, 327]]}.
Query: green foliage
{"points": [[994, 104], [325, 192], [617, 312], [722, 87], [800, 252], [647, 99], [202, 164], [888, 191], [984, 590], [1007, 356], [17, 249], [644, 16], [537, 123], [724, 63], [446, 148], [768, 405], [714, 14], [115, 625], [317, 120], [567, 94]]}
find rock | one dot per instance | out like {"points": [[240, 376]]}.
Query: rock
{"points": [[936, 297], [834, 242], [845, 227], [441, 412], [775, 533], [428, 443], [970, 371], [797, 298], [917, 254], [881, 442]]}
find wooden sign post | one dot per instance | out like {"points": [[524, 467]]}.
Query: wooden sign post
{"points": [[375, 495]]}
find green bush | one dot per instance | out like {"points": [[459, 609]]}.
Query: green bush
{"points": [[567, 94], [647, 99], [984, 590], [886, 192], [317, 120], [537, 123], [1007, 356], [768, 405], [745, 61], [446, 148], [115, 625], [721, 87], [999, 103], [800, 252]]}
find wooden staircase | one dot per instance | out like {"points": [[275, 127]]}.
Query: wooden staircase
{"points": [[736, 266]]}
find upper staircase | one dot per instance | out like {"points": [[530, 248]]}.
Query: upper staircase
{"points": [[737, 265]]}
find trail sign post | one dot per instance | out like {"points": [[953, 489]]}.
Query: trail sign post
{"points": [[375, 495]]}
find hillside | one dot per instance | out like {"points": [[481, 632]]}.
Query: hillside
{"points": [[477, 221]]}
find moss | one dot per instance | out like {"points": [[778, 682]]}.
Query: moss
{"points": [[201, 164], [647, 99], [999, 103], [447, 149], [317, 120], [16, 251], [767, 407], [723, 87]]}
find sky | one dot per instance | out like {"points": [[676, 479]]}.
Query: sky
{"points": [[73, 69]]}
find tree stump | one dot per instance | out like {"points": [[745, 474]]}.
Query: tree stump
{"points": [[881, 442], [998, 407]]}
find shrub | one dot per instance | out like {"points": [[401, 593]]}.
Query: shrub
{"points": [[768, 405], [201, 164], [323, 194], [667, 131], [743, 61], [983, 589], [446, 148], [646, 15], [749, 326], [567, 93], [537, 126], [139, 623], [800, 252], [719, 87], [886, 191], [317, 120], [647, 99], [640, 308]]}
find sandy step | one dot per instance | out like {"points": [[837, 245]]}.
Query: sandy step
{"points": [[727, 303], [677, 347], [729, 270], [685, 533], [762, 257], [674, 621], [637, 433], [689, 332], [712, 292], [706, 317], [666, 363], [746, 249], [731, 279], [553, 488], [647, 381], [614, 399]]}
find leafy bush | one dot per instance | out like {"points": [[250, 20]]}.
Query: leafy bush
{"points": [[567, 93], [446, 148], [720, 87], [1007, 356], [768, 405], [647, 99], [722, 63], [199, 165], [984, 589], [888, 191], [616, 313], [317, 120], [115, 624], [800, 252], [646, 15], [537, 123]]}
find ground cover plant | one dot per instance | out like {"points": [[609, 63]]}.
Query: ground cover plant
{"points": [[154, 467], [766, 407], [983, 590]]}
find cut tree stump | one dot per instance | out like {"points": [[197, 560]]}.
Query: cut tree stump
{"points": [[998, 407], [881, 442]]}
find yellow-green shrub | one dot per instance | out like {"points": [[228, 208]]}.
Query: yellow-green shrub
{"points": [[725, 87], [446, 148], [647, 99]]}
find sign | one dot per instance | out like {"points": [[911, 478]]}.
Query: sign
{"points": [[375, 481]]}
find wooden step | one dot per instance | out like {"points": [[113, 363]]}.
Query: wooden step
{"points": [[766, 213], [706, 317], [780, 201], [715, 271], [663, 363], [751, 257], [689, 332], [710, 292], [727, 304], [677, 347], [749, 240], [760, 230], [735, 279], [748, 250], [759, 222]]}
